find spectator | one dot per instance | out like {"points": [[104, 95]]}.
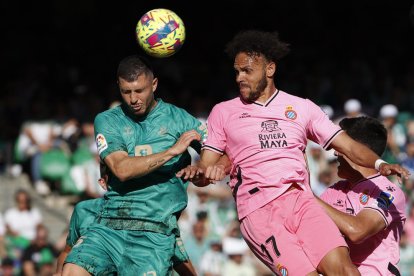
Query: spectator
{"points": [[39, 257], [236, 249], [212, 262], [352, 108], [406, 263], [2, 233], [36, 138], [7, 267], [409, 225], [23, 219], [197, 244], [317, 162], [396, 133], [328, 110]]}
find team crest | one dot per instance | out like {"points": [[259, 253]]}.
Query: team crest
{"points": [[101, 143], [162, 131], [364, 197], [283, 270], [290, 113], [143, 150]]}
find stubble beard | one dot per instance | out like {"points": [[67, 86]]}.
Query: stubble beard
{"points": [[255, 94]]}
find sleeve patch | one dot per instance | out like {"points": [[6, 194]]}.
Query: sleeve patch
{"points": [[384, 200], [101, 143]]}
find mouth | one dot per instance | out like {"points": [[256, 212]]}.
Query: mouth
{"points": [[136, 107]]}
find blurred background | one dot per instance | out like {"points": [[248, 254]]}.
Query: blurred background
{"points": [[58, 67]]}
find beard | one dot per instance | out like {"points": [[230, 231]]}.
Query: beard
{"points": [[255, 94]]}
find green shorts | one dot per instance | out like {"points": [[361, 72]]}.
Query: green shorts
{"points": [[180, 254], [105, 251]]}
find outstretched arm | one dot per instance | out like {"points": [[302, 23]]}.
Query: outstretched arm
{"points": [[363, 156], [355, 228]]}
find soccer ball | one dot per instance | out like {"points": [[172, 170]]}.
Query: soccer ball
{"points": [[160, 33]]}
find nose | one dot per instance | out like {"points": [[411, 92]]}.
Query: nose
{"points": [[239, 77], [337, 153], [134, 98]]}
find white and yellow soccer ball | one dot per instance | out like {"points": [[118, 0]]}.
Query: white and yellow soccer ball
{"points": [[160, 33]]}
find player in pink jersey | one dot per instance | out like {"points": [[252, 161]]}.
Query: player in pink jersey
{"points": [[264, 133], [367, 208]]}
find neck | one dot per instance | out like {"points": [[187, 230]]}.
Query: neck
{"points": [[267, 94]]}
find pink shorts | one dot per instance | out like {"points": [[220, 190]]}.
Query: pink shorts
{"points": [[291, 234]]}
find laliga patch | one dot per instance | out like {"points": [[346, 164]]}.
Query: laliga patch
{"points": [[364, 197], [290, 113], [384, 200], [203, 129], [101, 143]]}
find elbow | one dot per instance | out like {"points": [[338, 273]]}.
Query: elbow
{"points": [[355, 235], [121, 174]]}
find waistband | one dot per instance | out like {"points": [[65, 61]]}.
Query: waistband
{"points": [[139, 225]]}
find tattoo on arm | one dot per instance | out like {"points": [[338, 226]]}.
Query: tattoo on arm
{"points": [[154, 164]]}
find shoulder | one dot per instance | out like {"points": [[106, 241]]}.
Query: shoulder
{"points": [[87, 204], [339, 186], [109, 114]]}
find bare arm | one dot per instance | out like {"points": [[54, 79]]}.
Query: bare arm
{"points": [[363, 156], [185, 269], [61, 259], [126, 167], [356, 228]]}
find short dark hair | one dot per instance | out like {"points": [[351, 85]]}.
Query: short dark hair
{"points": [[133, 66], [366, 130], [258, 42]]}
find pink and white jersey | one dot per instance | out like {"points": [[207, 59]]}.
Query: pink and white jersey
{"points": [[266, 144], [379, 253]]}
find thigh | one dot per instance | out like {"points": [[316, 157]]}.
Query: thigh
{"points": [[272, 242], [97, 251], [147, 253], [316, 231]]}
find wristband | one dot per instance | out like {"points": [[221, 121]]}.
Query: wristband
{"points": [[378, 164]]}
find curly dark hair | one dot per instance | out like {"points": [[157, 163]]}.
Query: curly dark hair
{"points": [[366, 130], [255, 42]]}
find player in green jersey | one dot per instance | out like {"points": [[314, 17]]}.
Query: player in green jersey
{"points": [[144, 143]]}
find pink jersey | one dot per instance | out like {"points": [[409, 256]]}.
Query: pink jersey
{"points": [[266, 144], [374, 255]]}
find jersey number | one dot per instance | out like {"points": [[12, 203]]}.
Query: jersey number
{"points": [[271, 240]]}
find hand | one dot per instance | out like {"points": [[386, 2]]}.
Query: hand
{"points": [[200, 177], [184, 142], [391, 169], [193, 174]]}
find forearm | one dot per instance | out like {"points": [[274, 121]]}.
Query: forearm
{"points": [[61, 259], [362, 156], [137, 166]]}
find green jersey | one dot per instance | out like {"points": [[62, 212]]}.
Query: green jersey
{"points": [[157, 197], [84, 214]]}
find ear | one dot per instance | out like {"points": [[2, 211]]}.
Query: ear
{"points": [[270, 69], [154, 84]]}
